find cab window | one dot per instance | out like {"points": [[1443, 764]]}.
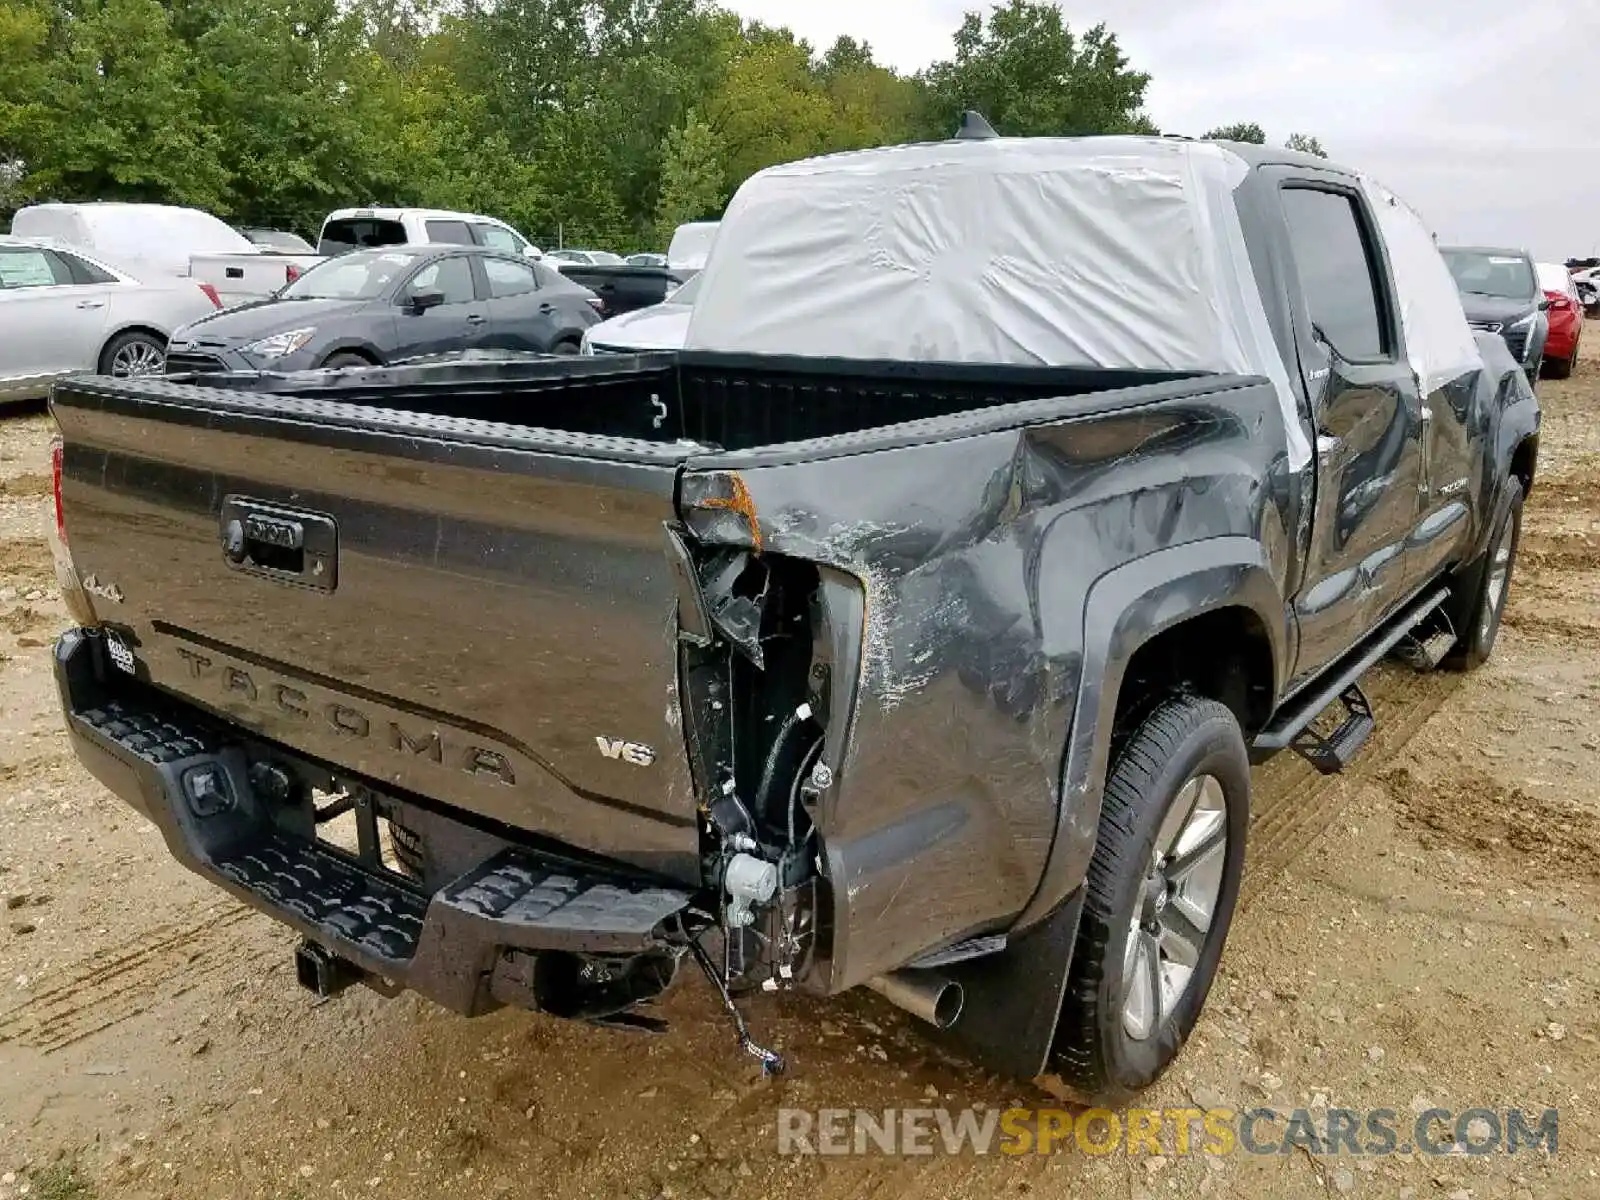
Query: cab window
{"points": [[452, 276], [1338, 274]]}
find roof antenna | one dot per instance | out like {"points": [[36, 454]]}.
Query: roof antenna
{"points": [[974, 128]]}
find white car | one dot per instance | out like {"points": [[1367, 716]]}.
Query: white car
{"points": [[64, 313], [349, 229], [586, 258], [691, 245], [660, 327], [155, 240]]}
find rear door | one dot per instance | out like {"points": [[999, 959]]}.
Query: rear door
{"points": [[53, 323], [521, 315], [1366, 413], [461, 322]]}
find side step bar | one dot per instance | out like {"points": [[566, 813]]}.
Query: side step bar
{"points": [[1291, 728]]}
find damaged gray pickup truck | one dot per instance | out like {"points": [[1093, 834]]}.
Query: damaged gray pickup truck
{"points": [[914, 627]]}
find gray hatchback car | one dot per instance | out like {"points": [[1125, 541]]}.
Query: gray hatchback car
{"points": [[377, 306]]}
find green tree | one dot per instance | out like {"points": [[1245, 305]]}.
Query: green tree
{"points": [[691, 178], [123, 117], [1306, 144], [1030, 75], [24, 31], [872, 106], [1244, 131], [771, 109]]}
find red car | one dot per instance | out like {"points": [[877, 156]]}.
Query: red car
{"points": [[1566, 320]]}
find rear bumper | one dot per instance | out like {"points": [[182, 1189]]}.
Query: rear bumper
{"points": [[468, 944], [1563, 339]]}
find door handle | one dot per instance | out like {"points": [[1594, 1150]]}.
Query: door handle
{"points": [[547, 307], [475, 318], [289, 545], [91, 303]]}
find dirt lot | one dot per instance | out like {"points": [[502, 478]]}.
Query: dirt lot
{"points": [[1422, 931]]}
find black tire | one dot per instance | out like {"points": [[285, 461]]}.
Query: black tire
{"points": [[1478, 606], [121, 353], [340, 359], [1560, 368], [566, 346], [1185, 739]]}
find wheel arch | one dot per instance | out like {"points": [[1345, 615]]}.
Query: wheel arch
{"points": [[1162, 606], [1134, 617], [360, 349]]}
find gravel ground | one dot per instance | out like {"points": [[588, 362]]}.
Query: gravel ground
{"points": [[1422, 931]]}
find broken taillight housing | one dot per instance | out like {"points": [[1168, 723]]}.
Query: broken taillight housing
{"points": [[57, 453], [719, 510], [211, 295]]}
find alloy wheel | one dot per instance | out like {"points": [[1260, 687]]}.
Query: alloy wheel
{"points": [[137, 359], [1176, 903]]}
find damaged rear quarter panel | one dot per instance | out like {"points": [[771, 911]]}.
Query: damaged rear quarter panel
{"points": [[976, 554]]}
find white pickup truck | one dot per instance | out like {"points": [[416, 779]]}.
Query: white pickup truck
{"points": [[154, 241]]}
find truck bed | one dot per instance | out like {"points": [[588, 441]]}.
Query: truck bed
{"points": [[457, 581], [714, 401]]}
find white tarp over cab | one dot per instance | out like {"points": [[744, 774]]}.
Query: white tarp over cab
{"points": [[1439, 345], [1105, 252]]}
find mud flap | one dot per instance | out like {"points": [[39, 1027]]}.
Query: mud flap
{"points": [[1013, 999]]}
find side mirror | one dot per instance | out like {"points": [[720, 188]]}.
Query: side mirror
{"points": [[421, 302]]}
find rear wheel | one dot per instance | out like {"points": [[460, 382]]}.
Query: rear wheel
{"points": [[1560, 368], [1160, 895], [565, 347], [133, 355], [1482, 592]]}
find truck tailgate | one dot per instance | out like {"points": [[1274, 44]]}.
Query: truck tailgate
{"points": [[238, 278], [470, 612]]}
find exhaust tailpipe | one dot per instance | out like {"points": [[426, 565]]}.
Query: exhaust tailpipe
{"points": [[934, 998]]}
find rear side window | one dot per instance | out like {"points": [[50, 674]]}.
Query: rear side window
{"points": [[359, 233], [1336, 272], [85, 272], [509, 278], [496, 238], [449, 233], [550, 277], [452, 276]]}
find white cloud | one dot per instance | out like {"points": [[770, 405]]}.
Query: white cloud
{"points": [[1485, 115]]}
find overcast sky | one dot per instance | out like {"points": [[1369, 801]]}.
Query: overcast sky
{"points": [[1484, 114]]}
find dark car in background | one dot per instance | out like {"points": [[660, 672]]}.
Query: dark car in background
{"points": [[372, 307], [1501, 294]]}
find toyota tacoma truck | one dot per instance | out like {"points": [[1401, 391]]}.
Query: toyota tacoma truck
{"points": [[915, 626]]}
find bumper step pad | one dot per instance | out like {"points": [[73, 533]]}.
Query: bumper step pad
{"points": [[192, 776], [549, 904], [345, 902]]}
